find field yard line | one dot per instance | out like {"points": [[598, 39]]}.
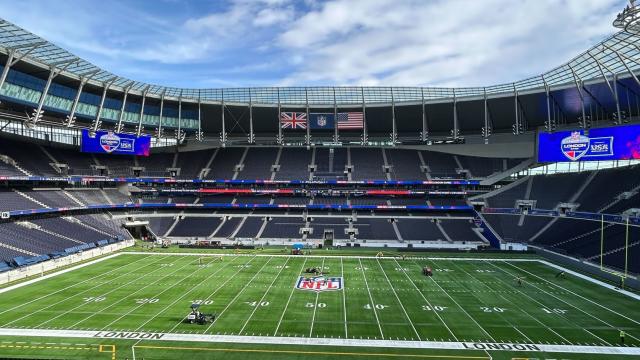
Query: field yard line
{"points": [[107, 293], [74, 295], [315, 306], [155, 296], [529, 315], [216, 290], [482, 302], [236, 297], [455, 302], [263, 296], [400, 302], [344, 299], [427, 301], [573, 306], [578, 295], [186, 293], [373, 305], [293, 288], [29, 282]]}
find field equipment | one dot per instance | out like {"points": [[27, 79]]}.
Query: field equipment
{"points": [[426, 271], [196, 317]]}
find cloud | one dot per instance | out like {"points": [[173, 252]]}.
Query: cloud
{"points": [[312, 42]]}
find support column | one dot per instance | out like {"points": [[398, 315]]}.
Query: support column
{"points": [[124, 102], [71, 118], [425, 131], [53, 72], [486, 131], [12, 59], [550, 125], [160, 129], [97, 122], [613, 91], [394, 129], [199, 133], [577, 81], [223, 136], [365, 134], [280, 138], [516, 125], [251, 134], [336, 136], [179, 132], [455, 132], [144, 98], [307, 139]]}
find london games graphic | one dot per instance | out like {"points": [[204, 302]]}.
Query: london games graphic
{"points": [[577, 145], [319, 283], [111, 142]]}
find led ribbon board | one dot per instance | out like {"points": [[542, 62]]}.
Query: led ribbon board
{"points": [[106, 142], [613, 143]]}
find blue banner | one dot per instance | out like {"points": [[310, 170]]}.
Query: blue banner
{"points": [[320, 121], [613, 143], [107, 142]]}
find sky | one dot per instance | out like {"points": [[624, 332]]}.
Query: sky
{"points": [[237, 43]]}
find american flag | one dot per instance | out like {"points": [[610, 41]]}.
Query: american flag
{"points": [[350, 120], [293, 120]]}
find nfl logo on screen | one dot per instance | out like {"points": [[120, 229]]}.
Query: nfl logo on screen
{"points": [[109, 142], [319, 283]]}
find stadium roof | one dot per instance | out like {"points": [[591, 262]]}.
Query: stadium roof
{"points": [[619, 54]]}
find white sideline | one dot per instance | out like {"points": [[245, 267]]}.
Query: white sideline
{"points": [[272, 340]]}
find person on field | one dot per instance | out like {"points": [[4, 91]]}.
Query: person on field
{"points": [[622, 337]]}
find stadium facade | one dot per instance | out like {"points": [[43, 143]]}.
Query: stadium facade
{"points": [[598, 87]]}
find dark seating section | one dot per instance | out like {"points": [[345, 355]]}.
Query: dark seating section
{"points": [[223, 165], [405, 164], [459, 230], [419, 229], [192, 226], [294, 164], [367, 164], [283, 228], [258, 162]]}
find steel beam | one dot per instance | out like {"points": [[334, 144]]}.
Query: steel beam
{"points": [[394, 129], [223, 136], [425, 130], [53, 72], [307, 139], [577, 81], [161, 113], [74, 106], [336, 136], [12, 59], [106, 85], [251, 134], [124, 102], [144, 98], [365, 134]]}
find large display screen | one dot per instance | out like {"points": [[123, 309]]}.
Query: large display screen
{"points": [[107, 142], [612, 143]]}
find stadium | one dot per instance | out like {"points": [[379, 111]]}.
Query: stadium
{"points": [[140, 221]]}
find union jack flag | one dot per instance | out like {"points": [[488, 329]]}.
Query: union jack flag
{"points": [[293, 120]]}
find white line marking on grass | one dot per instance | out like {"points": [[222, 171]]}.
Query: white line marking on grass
{"points": [[635, 296], [399, 302], [74, 295], [501, 315], [315, 306], [293, 288], [344, 299], [373, 305], [113, 304], [425, 299], [457, 304], [186, 293], [29, 282], [166, 288], [531, 316], [557, 298], [263, 296], [236, 297]]}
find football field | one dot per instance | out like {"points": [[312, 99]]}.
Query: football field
{"points": [[134, 304]]}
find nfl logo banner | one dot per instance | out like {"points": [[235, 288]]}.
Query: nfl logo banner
{"points": [[319, 283], [320, 121]]}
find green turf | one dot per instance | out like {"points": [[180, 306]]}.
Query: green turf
{"points": [[465, 301]]}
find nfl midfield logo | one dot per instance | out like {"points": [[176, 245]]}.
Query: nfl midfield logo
{"points": [[575, 146], [319, 283], [109, 142]]}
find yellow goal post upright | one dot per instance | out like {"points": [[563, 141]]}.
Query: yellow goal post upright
{"points": [[624, 274]]}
